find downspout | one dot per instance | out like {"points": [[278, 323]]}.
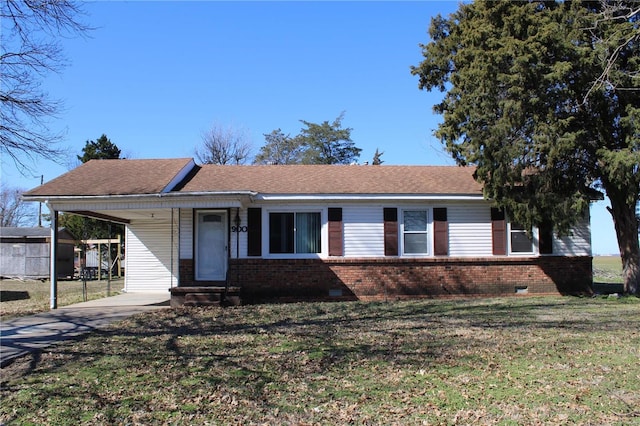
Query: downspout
{"points": [[53, 253], [179, 238], [171, 255]]}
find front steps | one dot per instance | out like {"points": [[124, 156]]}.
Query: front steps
{"points": [[204, 296]]}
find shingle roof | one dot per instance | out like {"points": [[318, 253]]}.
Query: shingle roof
{"points": [[32, 232], [114, 177], [335, 179], [130, 177], [20, 232]]}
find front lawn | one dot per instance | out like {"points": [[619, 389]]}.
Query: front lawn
{"points": [[551, 360]]}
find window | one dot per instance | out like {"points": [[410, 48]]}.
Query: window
{"points": [[519, 240], [297, 232], [414, 232]]}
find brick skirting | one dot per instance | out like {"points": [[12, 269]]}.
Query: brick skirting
{"points": [[391, 279]]}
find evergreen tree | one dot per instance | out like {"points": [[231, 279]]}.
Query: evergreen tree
{"points": [[280, 149], [377, 160], [84, 228], [101, 149], [327, 143], [527, 103]]}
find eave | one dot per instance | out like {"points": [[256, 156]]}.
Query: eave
{"points": [[368, 197]]}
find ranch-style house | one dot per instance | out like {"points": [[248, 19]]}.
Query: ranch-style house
{"points": [[316, 232]]}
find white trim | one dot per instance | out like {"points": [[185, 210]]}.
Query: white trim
{"points": [[428, 231], [183, 196], [366, 197], [224, 255], [534, 243], [324, 232], [133, 204]]}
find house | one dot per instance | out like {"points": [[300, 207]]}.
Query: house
{"points": [[25, 253], [317, 232]]}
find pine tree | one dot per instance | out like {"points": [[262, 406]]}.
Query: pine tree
{"points": [[527, 103]]}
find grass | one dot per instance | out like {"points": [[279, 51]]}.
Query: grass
{"points": [[551, 360], [24, 297], [607, 269]]}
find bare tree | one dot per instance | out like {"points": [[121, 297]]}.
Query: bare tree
{"points": [[29, 50], [224, 145], [13, 211]]}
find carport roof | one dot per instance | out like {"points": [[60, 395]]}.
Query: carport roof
{"points": [[116, 177]]}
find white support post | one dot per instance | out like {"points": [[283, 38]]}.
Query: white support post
{"points": [[53, 269]]}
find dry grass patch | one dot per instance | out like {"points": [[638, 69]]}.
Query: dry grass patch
{"points": [[25, 297], [495, 361]]}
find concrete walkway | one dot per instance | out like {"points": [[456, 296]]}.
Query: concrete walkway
{"points": [[31, 334]]}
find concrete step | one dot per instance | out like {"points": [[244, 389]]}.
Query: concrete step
{"points": [[205, 296], [202, 298]]}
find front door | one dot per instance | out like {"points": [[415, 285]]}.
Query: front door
{"points": [[211, 245]]}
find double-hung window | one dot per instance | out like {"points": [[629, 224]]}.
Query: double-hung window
{"points": [[415, 226], [295, 232], [519, 241]]}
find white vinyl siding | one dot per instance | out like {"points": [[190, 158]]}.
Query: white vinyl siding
{"points": [[363, 231], [186, 233], [150, 252], [576, 244], [469, 230]]}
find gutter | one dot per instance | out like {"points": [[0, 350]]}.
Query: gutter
{"points": [[139, 197], [369, 197]]}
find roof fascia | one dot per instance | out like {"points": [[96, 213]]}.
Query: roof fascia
{"points": [[135, 197], [368, 197], [101, 216]]}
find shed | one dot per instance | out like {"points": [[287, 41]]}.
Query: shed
{"points": [[25, 253]]}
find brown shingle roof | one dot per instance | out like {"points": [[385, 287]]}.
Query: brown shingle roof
{"points": [[114, 177], [335, 179], [131, 177]]}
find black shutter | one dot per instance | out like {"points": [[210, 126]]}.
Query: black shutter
{"points": [[254, 231], [545, 237]]}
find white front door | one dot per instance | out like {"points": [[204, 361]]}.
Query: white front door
{"points": [[211, 245]]}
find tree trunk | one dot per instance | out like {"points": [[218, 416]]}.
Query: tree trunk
{"points": [[626, 224]]}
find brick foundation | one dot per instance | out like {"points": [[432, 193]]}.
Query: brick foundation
{"points": [[391, 279], [186, 272]]}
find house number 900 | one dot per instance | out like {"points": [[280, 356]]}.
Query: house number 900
{"points": [[238, 229]]}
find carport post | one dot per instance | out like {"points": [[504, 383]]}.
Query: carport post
{"points": [[53, 268]]}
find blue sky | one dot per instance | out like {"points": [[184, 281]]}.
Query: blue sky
{"points": [[153, 76]]}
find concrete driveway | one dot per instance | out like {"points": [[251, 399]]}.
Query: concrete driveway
{"points": [[33, 333]]}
